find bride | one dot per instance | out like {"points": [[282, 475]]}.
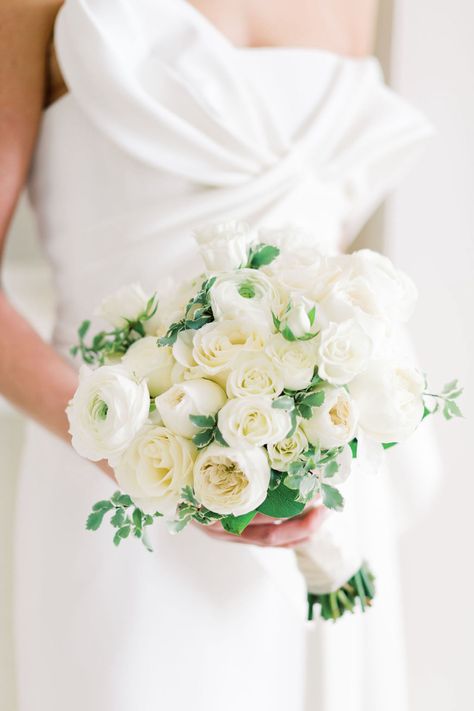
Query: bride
{"points": [[139, 121]]}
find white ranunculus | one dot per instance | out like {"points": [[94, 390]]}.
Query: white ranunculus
{"points": [[145, 359], [254, 374], [225, 245], [128, 302], [216, 345], [296, 360], [154, 469], [344, 349], [107, 410], [245, 293], [389, 396], [287, 450], [252, 421], [231, 481], [191, 397], [334, 423], [395, 290]]}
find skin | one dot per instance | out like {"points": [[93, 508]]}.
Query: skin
{"points": [[32, 375]]}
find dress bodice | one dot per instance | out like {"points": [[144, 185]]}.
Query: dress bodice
{"points": [[167, 125]]}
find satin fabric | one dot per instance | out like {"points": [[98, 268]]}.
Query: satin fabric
{"points": [[167, 126]]}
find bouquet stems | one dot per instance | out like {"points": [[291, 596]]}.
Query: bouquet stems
{"points": [[358, 590]]}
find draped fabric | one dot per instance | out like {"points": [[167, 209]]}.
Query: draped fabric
{"points": [[166, 126]]}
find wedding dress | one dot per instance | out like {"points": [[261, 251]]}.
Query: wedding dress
{"points": [[167, 126]]}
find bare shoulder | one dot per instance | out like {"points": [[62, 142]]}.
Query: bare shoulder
{"points": [[25, 31]]}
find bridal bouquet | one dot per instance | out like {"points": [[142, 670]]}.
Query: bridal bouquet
{"points": [[253, 388]]}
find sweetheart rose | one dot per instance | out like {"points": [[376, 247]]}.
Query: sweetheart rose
{"points": [[296, 360], [224, 246], [344, 349], [107, 410], [191, 397], [389, 396], [254, 374], [231, 481], [154, 469], [145, 359], [334, 423], [216, 345], [287, 450]]}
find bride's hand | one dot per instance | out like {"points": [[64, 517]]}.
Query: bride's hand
{"points": [[266, 531]]}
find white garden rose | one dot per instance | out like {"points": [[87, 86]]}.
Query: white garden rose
{"points": [[224, 246], [146, 360], [231, 481], [296, 360], [254, 374], [107, 410], [216, 345], [245, 293], [252, 421], [396, 291], [389, 396], [128, 302], [154, 469], [344, 349], [286, 451], [191, 397], [334, 423]]}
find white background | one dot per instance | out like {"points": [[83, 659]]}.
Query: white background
{"points": [[430, 233]]}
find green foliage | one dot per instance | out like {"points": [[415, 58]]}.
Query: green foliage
{"points": [[209, 431], [108, 344], [359, 590], [332, 498], [283, 328], [126, 518], [189, 510], [300, 403], [281, 503], [445, 401], [261, 255], [237, 524], [197, 314]]}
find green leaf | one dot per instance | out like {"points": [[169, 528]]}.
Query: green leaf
{"points": [[118, 518], [305, 411], [312, 315], [237, 524], [281, 503], [263, 254], [387, 445], [453, 408], [449, 387], [314, 399], [124, 532], [285, 402], [104, 506], [276, 321], [353, 445], [137, 518], [95, 519], [203, 438], [331, 469], [332, 498], [288, 334], [83, 328], [203, 421], [219, 438]]}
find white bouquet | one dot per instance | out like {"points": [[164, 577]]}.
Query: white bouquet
{"points": [[250, 389]]}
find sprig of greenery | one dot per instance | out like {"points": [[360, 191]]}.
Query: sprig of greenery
{"points": [[209, 431], [198, 313], [308, 476], [189, 509], [359, 590], [126, 518], [107, 344], [260, 255], [301, 402], [445, 401]]}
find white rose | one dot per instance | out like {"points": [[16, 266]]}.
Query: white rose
{"points": [[389, 396], [217, 344], [106, 412], [154, 469], [246, 293], [303, 316], [127, 303], [231, 481], [344, 351], [254, 374], [191, 397], [296, 360], [224, 246], [395, 290], [146, 360], [334, 423], [287, 450], [252, 421]]}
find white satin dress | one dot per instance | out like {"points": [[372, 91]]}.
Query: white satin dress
{"points": [[166, 126]]}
